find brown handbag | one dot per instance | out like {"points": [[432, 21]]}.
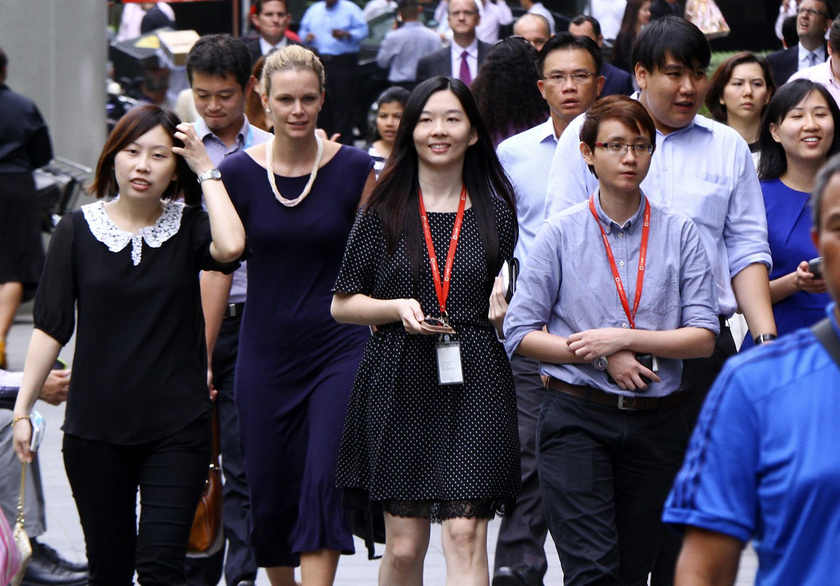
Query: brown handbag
{"points": [[206, 535]]}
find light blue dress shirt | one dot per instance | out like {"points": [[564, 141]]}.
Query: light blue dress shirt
{"points": [[704, 171], [567, 285], [525, 158], [247, 136], [404, 47], [321, 21]]}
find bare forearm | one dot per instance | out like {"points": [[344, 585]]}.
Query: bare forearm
{"points": [[681, 343], [215, 289], [752, 291], [546, 347], [707, 559], [225, 226], [40, 358], [783, 287], [364, 310]]}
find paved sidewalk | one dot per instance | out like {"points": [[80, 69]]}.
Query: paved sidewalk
{"points": [[65, 534]]}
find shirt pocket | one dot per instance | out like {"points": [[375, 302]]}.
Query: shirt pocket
{"points": [[705, 200]]}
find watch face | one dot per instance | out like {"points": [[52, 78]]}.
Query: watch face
{"points": [[600, 363]]}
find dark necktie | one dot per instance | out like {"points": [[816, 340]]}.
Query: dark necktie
{"points": [[464, 73]]}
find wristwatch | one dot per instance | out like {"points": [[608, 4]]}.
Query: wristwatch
{"points": [[210, 174], [600, 363], [763, 339]]}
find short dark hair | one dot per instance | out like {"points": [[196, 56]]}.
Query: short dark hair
{"points": [[584, 18], [724, 74], [789, 34], [671, 35], [258, 5], [773, 163], [829, 170], [568, 41], [834, 36], [619, 107], [220, 55], [4, 60], [134, 124]]}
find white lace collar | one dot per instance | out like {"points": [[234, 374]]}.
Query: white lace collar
{"points": [[109, 234]]}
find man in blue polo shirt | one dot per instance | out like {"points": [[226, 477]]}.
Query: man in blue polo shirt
{"points": [[762, 462]]}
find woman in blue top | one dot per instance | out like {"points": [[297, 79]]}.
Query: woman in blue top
{"points": [[799, 133]]}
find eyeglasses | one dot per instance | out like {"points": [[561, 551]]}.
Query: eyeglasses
{"points": [[811, 12], [617, 147], [577, 78]]}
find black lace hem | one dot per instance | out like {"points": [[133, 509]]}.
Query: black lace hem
{"points": [[439, 511]]}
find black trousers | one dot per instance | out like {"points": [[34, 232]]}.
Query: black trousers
{"points": [[340, 108], [240, 563], [521, 541], [104, 478], [604, 475], [698, 376]]}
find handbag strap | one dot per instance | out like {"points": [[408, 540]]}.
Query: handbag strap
{"points": [[214, 452], [824, 332], [19, 520]]}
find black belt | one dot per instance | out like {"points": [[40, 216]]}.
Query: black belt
{"points": [[621, 402], [234, 309]]}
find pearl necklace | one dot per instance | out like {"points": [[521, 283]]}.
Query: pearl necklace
{"points": [[269, 170]]}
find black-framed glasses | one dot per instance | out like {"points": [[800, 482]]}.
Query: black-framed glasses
{"points": [[617, 147]]}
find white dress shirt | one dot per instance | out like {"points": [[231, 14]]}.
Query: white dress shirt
{"points": [[472, 58], [821, 74], [266, 47]]}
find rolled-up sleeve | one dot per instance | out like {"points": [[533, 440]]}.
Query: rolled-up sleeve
{"points": [[698, 305], [537, 289], [745, 230], [569, 179]]}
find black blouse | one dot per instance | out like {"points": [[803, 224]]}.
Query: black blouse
{"points": [[139, 369]]}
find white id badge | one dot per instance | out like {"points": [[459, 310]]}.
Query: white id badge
{"points": [[449, 361]]}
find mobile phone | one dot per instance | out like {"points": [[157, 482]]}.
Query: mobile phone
{"points": [[39, 426], [815, 267], [434, 321]]}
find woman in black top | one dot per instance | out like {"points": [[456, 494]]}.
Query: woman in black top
{"points": [[138, 408], [429, 449]]}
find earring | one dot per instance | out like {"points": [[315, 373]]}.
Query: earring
{"points": [[268, 110]]}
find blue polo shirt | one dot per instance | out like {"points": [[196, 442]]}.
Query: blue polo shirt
{"points": [[764, 462]]}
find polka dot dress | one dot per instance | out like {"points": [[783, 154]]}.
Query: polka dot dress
{"points": [[428, 450]]}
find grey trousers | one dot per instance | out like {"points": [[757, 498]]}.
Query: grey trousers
{"points": [[35, 521]]}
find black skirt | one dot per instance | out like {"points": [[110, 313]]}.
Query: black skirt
{"points": [[21, 247]]}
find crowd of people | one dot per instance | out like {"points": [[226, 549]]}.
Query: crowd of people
{"points": [[521, 298]]}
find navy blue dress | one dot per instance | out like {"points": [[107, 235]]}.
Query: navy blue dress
{"points": [[295, 368], [789, 232]]}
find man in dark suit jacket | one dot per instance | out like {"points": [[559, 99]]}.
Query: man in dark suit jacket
{"points": [[466, 53], [617, 81], [812, 21], [272, 19]]}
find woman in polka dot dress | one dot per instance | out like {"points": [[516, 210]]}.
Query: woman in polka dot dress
{"points": [[429, 451]]}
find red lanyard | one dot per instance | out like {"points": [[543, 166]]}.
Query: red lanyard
{"points": [[442, 289], [640, 277]]}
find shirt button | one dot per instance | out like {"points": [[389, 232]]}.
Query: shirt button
{"points": [[624, 325], [621, 263], [620, 234]]}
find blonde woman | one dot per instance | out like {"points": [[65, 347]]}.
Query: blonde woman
{"points": [[297, 196]]}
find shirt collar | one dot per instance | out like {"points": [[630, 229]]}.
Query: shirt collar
{"points": [[203, 131], [471, 49], [545, 132], [803, 53], [266, 47], [698, 121], [610, 224]]}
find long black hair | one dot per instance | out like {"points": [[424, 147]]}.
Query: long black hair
{"points": [[773, 163], [395, 196]]}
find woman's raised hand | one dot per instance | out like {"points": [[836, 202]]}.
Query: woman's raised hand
{"points": [[806, 281], [193, 151]]}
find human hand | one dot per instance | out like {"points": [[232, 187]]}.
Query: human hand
{"points": [[193, 150], [806, 281], [22, 435], [627, 372], [56, 387], [410, 314], [340, 34], [498, 305], [590, 344], [323, 135]]}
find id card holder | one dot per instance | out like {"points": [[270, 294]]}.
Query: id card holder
{"points": [[448, 352]]}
